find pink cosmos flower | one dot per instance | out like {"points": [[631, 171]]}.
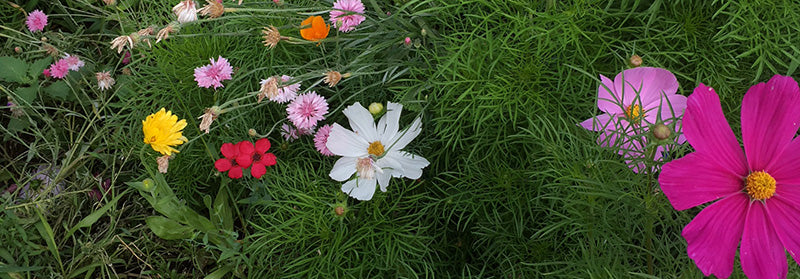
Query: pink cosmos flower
{"points": [[36, 21], [214, 73], [307, 109], [59, 69], [756, 191], [636, 98], [73, 62], [347, 14], [321, 138], [288, 132]]}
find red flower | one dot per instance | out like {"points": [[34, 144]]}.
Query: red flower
{"points": [[257, 156], [231, 162]]}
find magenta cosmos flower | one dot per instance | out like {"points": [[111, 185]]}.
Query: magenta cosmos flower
{"points": [[636, 99], [214, 73], [306, 110], [36, 21], [756, 191], [347, 14]]}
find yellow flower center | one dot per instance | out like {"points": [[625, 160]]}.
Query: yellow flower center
{"points": [[760, 185], [375, 148], [634, 113]]}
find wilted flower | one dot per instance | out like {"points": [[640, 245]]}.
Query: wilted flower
{"points": [[271, 36], [314, 29], [212, 9], [162, 131], [208, 117], [347, 14], [636, 60], [279, 94], [104, 80], [163, 163], [269, 89], [110, 2], [186, 11], [121, 41], [50, 49], [332, 78], [145, 32], [164, 33], [36, 21]]}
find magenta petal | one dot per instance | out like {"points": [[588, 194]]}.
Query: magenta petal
{"points": [[785, 216], [714, 233], [785, 167], [696, 179], [707, 130], [770, 115], [762, 254], [607, 100], [597, 123]]}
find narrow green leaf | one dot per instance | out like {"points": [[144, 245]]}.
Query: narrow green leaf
{"points": [[92, 218], [222, 215], [219, 273], [47, 233]]}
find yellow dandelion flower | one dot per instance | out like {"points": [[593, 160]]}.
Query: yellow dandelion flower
{"points": [[162, 131]]}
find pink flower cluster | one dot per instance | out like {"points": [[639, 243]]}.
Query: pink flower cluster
{"points": [[61, 68], [214, 73], [36, 21]]}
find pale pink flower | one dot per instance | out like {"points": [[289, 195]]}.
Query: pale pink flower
{"points": [[288, 132], [407, 41], [74, 62], [321, 138], [36, 21], [307, 109], [186, 11], [287, 92], [347, 14], [60, 69], [214, 73]]}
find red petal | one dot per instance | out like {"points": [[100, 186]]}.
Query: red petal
{"points": [[235, 172], [223, 164], [229, 150], [258, 170], [268, 159], [244, 160], [262, 146], [245, 148]]}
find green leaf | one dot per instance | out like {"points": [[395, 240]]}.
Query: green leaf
{"points": [[27, 94], [168, 229], [222, 215], [38, 67], [13, 69], [47, 233], [18, 124], [59, 90], [219, 273], [92, 218]]}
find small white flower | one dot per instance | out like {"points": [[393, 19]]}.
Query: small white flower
{"points": [[373, 153], [186, 11]]}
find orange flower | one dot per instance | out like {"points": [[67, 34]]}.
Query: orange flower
{"points": [[315, 29]]}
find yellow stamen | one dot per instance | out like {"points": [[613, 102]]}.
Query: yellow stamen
{"points": [[375, 148], [760, 185], [634, 113]]}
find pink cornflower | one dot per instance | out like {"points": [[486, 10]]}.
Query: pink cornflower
{"points": [[307, 109], [286, 93], [321, 138], [636, 98], [214, 73], [36, 21], [347, 14], [73, 62], [288, 132], [60, 69], [756, 191]]}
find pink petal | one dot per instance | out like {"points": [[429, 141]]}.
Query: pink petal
{"points": [[223, 164], [785, 167], [229, 150], [262, 146], [607, 100], [670, 108], [762, 254], [707, 130], [258, 170], [785, 216], [714, 233], [597, 123], [644, 85], [770, 114], [697, 179]]}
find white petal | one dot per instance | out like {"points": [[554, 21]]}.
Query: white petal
{"points": [[383, 180], [390, 122], [360, 189], [404, 137], [412, 164], [343, 142], [390, 164], [344, 168], [361, 121]]}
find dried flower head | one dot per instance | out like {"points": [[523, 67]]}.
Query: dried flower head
{"points": [[271, 36], [110, 2], [163, 163], [186, 11], [212, 9], [164, 33], [121, 41], [332, 78], [636, 60], [149, 31], [50, 49], [208, 117], [104, 80], [269, 88]]}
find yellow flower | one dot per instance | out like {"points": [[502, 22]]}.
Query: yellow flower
{"points": [[162, 131]]}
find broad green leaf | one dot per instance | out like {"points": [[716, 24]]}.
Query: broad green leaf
{"points": [[13, 69], [59, 90], [221, 214], [18, 124], [38, 67], [168, 229], [27, 94]]}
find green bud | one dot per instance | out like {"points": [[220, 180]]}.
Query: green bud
{"points": [[661, 131], [375, 108]]}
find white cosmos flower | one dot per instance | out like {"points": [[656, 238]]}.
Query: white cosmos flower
{"points": [[373, 153], [186, 11]]}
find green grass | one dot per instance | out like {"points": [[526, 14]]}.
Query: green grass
{"points": [[515, 188]]}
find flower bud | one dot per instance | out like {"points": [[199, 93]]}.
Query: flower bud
{"points": [[18, 49], [252, 132], [375, 108], [636, 60], [661, 131], [407, 41], [339, 210], [148, 185], [423, 32]]}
